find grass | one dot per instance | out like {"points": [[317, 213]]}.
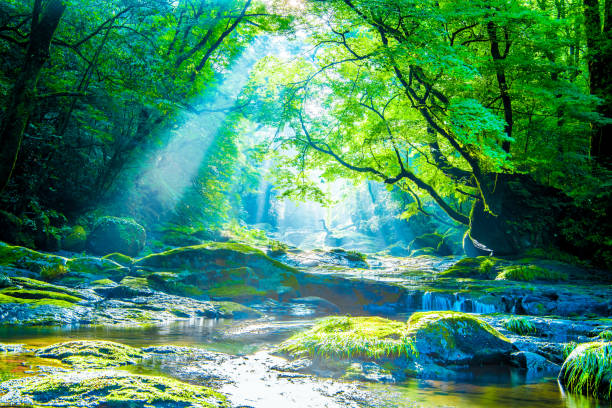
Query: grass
{"points": [[520, 326], [52, 272], [529, 273], [606, 335], [348, 337], [587, 370]]}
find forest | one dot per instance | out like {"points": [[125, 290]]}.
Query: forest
{"points": [[305, 203]]}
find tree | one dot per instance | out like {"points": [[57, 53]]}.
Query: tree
{"points": [[455, 100], [45, 18]]}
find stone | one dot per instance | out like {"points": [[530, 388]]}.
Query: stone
{"points": [[114, 234]]}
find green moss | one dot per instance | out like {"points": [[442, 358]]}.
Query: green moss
{"points": [[25, 258], [530, 273], [235, 310], [94, 266], [121, 259], [92, 353], [606, 335], [75, 240], [117, 389], [347, 337], [134, 282], [234, 290], [224, 254], [38, 294], [482, 267], [520, 326], [588, 370], [4, 299], [444, 321], [53, 272], [103, 282]]}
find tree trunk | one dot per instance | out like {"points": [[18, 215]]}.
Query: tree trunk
{"points": [[599, 57], [526, 215], [21, 100]]}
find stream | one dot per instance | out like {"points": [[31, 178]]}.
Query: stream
{"points": [[252, 385]]}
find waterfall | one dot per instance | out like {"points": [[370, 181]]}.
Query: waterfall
{"points": [[434, 301]]}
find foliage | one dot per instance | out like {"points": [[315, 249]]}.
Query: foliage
{"points": [[53, 272], [520, 325], [352, 337], [587, 370]]}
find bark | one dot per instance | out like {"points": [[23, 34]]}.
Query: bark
{"points": [[22, 98], [599, 57]]}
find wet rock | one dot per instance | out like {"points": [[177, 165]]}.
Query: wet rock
{"points": [[321, 305], [534, 363], [92, 353], [106, 388], [452, 339], [11, 348], [113, 234]]}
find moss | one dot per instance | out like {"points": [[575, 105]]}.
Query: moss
{"points": [[444, 321], [588, 370], [75, 240], [92, 353], [224, 254], [347, 337], [605, 335], [4, 299], [134, 282], [482, 267], [53, 272], [94, 266], [28, 283], [520, 326], [235, 310], [235, 290], [103, 282], [25, 258], [530, 273], [117, 389], [38, 294], [120, 258]]}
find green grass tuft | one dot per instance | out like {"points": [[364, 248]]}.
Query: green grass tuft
{"points": [[520, 326], [348, 337], [588, 370]]}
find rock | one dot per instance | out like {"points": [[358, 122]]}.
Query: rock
{"points": [[319, 303], [534, 363], [588, 370], [107, 388], [76, 239], [5, 281], [113, 234], [92, 353], [457, 339]]}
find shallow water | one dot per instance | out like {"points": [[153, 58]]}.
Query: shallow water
{"points": [[481, 389]]}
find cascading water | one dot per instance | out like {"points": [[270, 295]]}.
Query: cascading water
{"points": [[433, 301]]}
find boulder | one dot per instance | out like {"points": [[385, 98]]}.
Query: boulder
{"points": [[113, 234], [588, 370], [455, 339], [75, 240]]}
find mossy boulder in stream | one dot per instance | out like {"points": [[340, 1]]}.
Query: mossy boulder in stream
{"points": [[92, 353], [75, 240], [588, 370], [114, 234], [430, 344], [107, 388]]}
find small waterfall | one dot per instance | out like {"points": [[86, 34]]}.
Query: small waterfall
{"points": [[433, 301]]}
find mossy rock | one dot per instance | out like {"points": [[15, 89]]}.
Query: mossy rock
{"points": [[435, 241], [75, 240], [233, 310], [457, 339], [37, 293], [114, 234], [588, 370], [235, 291], [226, 255], [120, 258], [482, 267], [171, 282], [92, 353], [109, 388], [529, 273], [29, 259]]}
